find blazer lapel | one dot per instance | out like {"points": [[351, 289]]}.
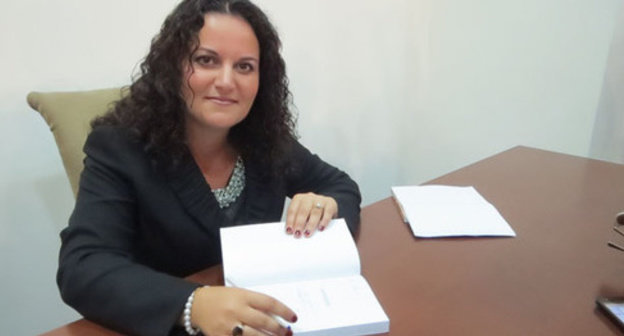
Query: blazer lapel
{"points": [[263, 201], [188, 183]]}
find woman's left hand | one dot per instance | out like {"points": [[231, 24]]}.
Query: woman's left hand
{"points": [[309, 212]]}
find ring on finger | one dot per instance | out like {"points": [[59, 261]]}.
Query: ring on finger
{"points": [[237, 330], [318, 205]]}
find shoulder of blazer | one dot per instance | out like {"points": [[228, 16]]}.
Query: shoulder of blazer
{"points": [[116, 148]]}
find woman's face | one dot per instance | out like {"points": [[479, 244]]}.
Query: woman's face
{"points": [[221, 82]]}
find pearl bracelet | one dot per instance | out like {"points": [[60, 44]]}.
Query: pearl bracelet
{"points": [[187, 315]]}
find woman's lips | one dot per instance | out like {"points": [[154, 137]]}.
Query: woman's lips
{"points": [[222, 100]]}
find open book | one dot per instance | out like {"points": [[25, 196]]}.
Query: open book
{"points": [[318, 277], [443, 211]]}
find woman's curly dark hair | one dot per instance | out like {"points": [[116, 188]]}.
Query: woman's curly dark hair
{"points": [[154, 109]]}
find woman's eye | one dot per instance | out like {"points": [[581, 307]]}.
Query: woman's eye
{"points": [[205, 60], [245, 67]]}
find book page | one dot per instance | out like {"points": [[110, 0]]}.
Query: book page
{"points": [[264, 254], [439, 211], [331, 307]]}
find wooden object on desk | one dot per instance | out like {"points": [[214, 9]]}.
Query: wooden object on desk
{"points": [[542, 282]]}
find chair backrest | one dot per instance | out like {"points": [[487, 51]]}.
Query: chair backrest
{"points": [[68, 114]]}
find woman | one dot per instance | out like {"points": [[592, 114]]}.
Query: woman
{"points": [[203, 140]]}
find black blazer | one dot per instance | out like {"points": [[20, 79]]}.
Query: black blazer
{"points": [[138, 228]]}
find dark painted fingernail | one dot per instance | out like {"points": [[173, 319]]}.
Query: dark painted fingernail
{"points": [[307, 233], [289, 332], [293, 319], [321, 228], [289, 230], [297, 233]]}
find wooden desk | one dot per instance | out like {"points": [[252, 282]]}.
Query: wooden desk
{"points": [[542, 282]]}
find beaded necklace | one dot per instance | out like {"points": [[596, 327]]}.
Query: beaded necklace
{"points": [[229, 194]]}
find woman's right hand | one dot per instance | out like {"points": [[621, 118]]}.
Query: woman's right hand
{"points": [[218, 310]]}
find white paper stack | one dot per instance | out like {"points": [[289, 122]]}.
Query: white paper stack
{"points": [[318, 277], [443, 211]]}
